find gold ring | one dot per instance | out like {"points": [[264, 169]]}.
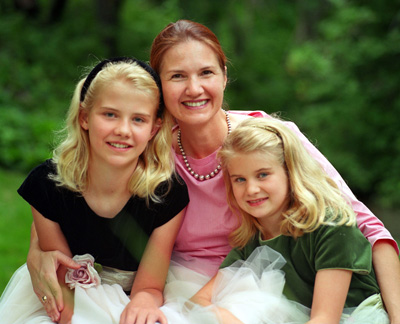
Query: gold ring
{"points": [[44, 298]]}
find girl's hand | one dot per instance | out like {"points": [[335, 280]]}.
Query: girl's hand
{"points": [[142, 309], [148, 286]]}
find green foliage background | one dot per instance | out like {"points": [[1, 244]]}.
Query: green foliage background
{"points": [[331, 66]]}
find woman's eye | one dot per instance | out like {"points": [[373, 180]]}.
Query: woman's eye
{"points": [[207, 72], [177, 76], [109, 114]]}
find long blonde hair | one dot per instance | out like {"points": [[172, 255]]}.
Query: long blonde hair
{"points": [[314, 198], [71, 156]]}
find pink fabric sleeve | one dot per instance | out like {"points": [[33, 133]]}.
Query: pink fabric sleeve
{"points": [[372, 228]]}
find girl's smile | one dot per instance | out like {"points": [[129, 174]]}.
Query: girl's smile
{"points": [[257, 202], [120, 124], [260, 186]]}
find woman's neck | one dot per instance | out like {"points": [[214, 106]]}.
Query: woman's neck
{"points": [[200, 141]]}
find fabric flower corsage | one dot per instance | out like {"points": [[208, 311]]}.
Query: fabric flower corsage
{"points": [[86, 276]]}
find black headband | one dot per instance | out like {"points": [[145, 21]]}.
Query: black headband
{"points": [[142, 64]]}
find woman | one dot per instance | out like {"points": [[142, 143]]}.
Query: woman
{"points": [[192, 68]]}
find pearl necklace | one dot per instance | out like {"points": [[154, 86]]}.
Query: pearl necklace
{"points": [[191, 171]]}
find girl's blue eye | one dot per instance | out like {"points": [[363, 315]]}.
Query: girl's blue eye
{"points": [[262, 175], [109, 114], [239, 180], [138, 120]]}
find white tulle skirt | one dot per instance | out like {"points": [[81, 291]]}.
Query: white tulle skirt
{"points": [[19, 304], [251, 290]]}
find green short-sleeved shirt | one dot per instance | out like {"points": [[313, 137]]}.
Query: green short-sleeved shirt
{"points": [[329, 247]]}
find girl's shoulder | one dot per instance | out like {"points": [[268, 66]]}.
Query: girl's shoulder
{"points": [[173, 185], [41, 172]]}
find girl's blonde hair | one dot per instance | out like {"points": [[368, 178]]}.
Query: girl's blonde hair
{"points": [[71, 156], [314, 198]]}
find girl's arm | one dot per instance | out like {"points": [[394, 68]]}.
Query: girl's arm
{"points": [[387, 269], [43, 268], [384, 248], [148, 286], [330, 292], [203, 298], [51, 238]]}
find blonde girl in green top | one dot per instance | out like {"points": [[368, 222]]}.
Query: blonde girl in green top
{"points": [[288, 204]]}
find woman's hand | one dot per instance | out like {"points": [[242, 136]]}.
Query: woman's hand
{"points": [[43, 268], [142, 309]]}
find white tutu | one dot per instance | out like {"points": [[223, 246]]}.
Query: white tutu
{"points": [[101, 305], [19, 304], [252, 290], [104, 304]]}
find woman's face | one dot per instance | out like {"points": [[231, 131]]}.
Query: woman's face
{"points": [[193, 82]]}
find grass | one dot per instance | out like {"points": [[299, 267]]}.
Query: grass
{"points": [[16, 219], [15, 224]]}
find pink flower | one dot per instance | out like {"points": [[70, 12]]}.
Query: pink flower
{"points": [[86, 276]]}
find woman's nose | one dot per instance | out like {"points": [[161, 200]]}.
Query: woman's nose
{"points": [[194, 87]]}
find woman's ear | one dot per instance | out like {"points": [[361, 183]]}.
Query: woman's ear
{"points": [[156, 127], [225, 77], [83, 119]]}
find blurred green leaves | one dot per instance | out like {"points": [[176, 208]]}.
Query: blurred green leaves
{"points": [[331, 66], [346, 85]]}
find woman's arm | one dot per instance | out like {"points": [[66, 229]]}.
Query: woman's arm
{"points": [[148, 286], [43, 268], [387, 269], [203, 298], [51, 238], [330, 292]]}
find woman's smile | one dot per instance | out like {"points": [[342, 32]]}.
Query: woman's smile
{"points": [[196, 103], [193, 82]]}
